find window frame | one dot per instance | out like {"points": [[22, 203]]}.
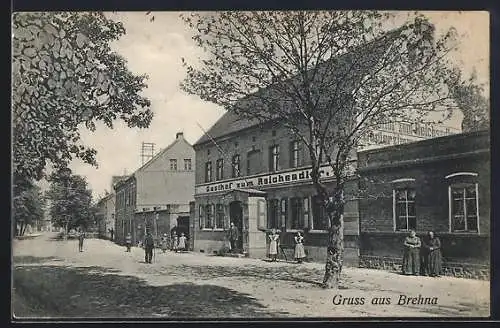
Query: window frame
{"points": [[209, 217], [321, 209], [174, 162], [188, 165], [274, 213], [219, 214], [274, 158], [219, 169], [395, 202], [208, 171], [462, 180], [236, 166], [294, 154], [300, 215]]}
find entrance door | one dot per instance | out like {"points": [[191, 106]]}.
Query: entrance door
{"points": [[183, 226], [236, 217]]}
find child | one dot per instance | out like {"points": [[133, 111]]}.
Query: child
{"points": [[300, 254], [182, 242], [175, 243], [273, 245], [164, 242], [128, 241]]}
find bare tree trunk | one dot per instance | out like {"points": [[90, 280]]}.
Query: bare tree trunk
{"points": [[335, 248]]}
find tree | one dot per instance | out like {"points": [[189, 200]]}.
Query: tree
{"points": [[71, 201], [65, 76], [328, 77], [468, 95], [27, 207]]}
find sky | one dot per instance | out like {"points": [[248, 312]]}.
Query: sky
{"points": [[156, 48]]}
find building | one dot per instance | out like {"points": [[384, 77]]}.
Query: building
{"points": [[260, 170], [396, 133], [440, 185], [156, 197], [257, 176], [106, 216]]}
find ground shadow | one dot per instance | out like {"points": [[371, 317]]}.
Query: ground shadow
{"points": [[20, 260], [69, 292]]}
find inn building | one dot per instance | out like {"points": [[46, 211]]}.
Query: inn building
{"points": [[244, 167]]}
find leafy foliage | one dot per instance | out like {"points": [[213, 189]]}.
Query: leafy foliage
{"points": [[70, 201], [468, 95], [329, 77], [28, 206], [66, 77]]}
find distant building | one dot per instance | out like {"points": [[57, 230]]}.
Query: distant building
{"points": [[156, 197], [397, 133], [106, 215]]}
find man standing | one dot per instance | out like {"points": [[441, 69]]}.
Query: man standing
{"points": [[233, 237], [148, 247], [128, 241], [112, 233], [81, 237]]}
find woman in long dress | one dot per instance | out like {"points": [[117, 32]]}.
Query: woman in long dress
{"points": [[273, 245], [411, 256], [300, 254], [182, 242], [433, 255]]}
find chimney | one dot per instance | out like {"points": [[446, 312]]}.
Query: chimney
{"points": [[179, 135]]}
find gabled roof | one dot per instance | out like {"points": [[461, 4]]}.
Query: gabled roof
{"points": [[230, 122]]}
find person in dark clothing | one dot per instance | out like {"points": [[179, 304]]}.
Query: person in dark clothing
{"points": [[233, 237], [433, 259], [411, 256], [112, 233], [128, 241], [81, 237], [148, 248]]}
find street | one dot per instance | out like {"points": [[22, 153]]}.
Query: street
{"points": [[52, 279]]}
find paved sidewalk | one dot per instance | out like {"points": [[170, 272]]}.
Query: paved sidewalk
{"points": [[199, 285]]}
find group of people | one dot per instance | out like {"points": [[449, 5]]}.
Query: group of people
{"points": [[274, 240], [422, 256], [179, 243]]}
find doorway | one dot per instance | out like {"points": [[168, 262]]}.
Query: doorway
{"points": [[236, 217], [183, 226]]}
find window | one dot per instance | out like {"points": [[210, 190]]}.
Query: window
{"points": [[464, 208], [294, 154], [209, 216], [284, 211], [187, 164], [320, 217], [219, 173], [254, 162], [273, 214], [297, 221], [307, 211], [274, 158], [208, 171], [404, 200], [219, 217], [201, 222], [173, 165], [236, 166]]}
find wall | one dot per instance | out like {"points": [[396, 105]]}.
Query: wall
{"points": [[158, 184], [428, 162]]}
